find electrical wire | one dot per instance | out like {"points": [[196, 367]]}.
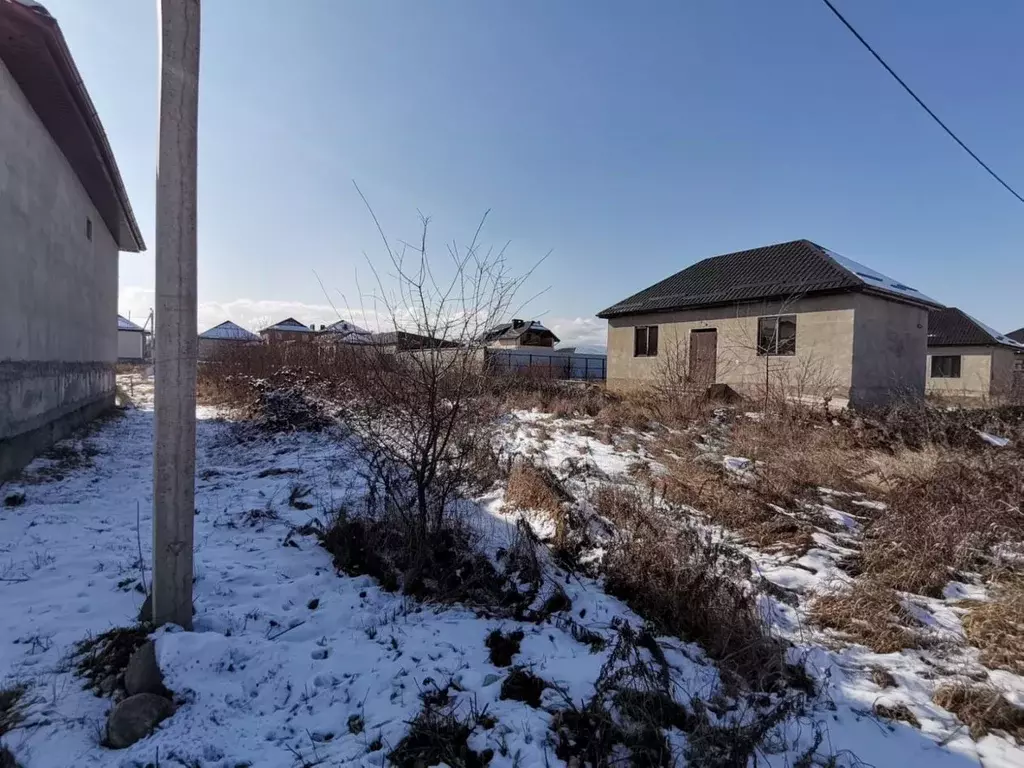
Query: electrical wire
{"points": [[923, 106]]}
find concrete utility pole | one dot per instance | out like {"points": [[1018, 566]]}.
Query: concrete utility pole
{"points": [[174, 454]]}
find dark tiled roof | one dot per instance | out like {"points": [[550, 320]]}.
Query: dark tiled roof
{"points": [[796, 268], [34, 51], [952, 327], [1017, 335], [511, 331]]}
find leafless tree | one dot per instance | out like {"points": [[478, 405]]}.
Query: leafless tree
{"points": [[421, 402]]}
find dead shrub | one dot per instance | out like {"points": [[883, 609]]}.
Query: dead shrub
{"points": [[882, 678], [996, 627], [915, 424], [686, 585], [870, 613], [981, 708], [947, 522], [444, 565]]}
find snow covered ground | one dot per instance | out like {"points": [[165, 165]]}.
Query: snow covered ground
{"points": [[292, 664]]}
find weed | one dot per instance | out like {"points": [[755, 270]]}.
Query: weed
{"points": [[356, 724], [438, 735], [14, 500]]}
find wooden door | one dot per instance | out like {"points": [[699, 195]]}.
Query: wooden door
{"points": [[703, 357]]}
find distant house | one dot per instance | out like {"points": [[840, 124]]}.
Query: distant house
{"points": [[344, 332], [404, 341], [132, 342], [1017, 335], [519, 333], [64, 215], [288, 329], [969, 360], [798, 315], [224, 337]]}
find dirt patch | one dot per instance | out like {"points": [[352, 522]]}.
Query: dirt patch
{"points": [[534, 487]]}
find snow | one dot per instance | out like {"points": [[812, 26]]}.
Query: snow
{"points": [[877, 279], [267, 680], [230, 331]]}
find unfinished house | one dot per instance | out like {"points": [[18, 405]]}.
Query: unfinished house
{"points": [[64, 216], [793, 319], [518, 334], [968, 361]]}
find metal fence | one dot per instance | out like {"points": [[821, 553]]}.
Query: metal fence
{"points": [[554, 365]]}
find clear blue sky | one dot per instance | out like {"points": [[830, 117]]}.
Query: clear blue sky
{"points": [[630, 139]]}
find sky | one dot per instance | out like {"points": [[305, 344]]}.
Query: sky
{"points": [[624, 140]]}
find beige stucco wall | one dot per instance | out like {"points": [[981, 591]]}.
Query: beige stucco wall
{"points": [[985, 372], [890, 348], [822, 365]]}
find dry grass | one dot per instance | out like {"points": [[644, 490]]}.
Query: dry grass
{"points": [[12, 707], [946, 522], [686, 586], [870, 613], [981, 708], [899, 711], [996, 627], [533, 487]]}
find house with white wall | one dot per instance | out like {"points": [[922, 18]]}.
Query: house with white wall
{"points": [[64, 216]]}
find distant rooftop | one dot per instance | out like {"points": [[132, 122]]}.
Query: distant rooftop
{"points": [[123, 323], [229, 331], [952, 327]]}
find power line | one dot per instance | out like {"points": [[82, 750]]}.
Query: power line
{"points": [[916, 98]]}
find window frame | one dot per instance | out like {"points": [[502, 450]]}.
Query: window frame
{"points": [[956, 371], [776, 348], [645, 332]]}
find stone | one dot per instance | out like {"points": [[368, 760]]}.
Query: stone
{"points": [[143, 675], [107, 685], [491, 679], [135, 718]]}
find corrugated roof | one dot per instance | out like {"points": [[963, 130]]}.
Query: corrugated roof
{"points": [[783, 270], [34, 51], [952, 327], [289, 324], [511, 331], [124, 324], [229, 331]]}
